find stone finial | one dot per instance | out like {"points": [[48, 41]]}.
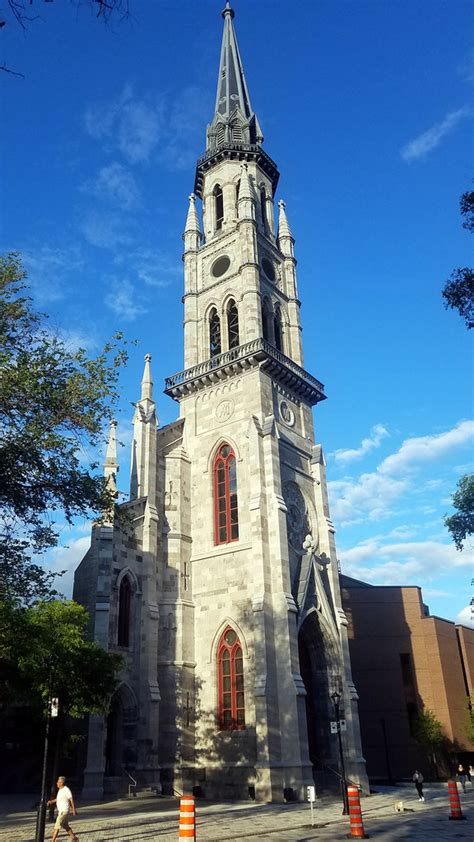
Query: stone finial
{"points": [[228, 10], [192, 219], [147, 381], [111, 452], [245, 189], [283, 227]]}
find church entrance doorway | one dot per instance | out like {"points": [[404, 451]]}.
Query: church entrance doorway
{"points": [[320, 671], [121, 742]]}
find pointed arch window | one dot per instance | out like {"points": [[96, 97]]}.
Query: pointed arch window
{"points": [[277, 330], [230, 669], [214, 333], [266, 321], [218, 206], [233, 324], [226, 512], [237, 191], [263, 206], [125, 600]]}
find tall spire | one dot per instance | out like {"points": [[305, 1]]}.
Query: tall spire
{"points": [[234, 120]]}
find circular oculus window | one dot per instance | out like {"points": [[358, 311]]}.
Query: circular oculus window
{"points": [[221, 266], [268, 268]]}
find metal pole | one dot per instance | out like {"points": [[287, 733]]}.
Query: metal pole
{"points": [[387, 758], [41, 818], [341, 756]]}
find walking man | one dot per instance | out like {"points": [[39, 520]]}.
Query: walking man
{"points": [[64, 802], [418, 780]]}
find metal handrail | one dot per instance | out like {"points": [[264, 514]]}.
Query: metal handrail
{"points": [[317, 762], [133, 784]]}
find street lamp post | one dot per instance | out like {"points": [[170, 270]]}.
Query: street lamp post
{"points": [[336, 698], [41, 817]]}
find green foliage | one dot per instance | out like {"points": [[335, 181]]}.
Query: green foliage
{"points": [[461, 524], [44, 651], [469, 728], [54, 406], [429, 733], [458, 291]]}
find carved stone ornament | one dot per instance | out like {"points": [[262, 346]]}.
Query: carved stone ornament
{"points": [[298, 524], [286, 414], [224, 410]]}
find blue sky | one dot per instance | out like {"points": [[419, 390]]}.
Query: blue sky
{"points": [[367, 109]]}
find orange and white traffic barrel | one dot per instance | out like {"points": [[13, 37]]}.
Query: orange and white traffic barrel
{"points": [[187, 818], [454, 803], [355, 814]]}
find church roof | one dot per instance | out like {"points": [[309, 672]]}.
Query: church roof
{"points": [[232, 91]]}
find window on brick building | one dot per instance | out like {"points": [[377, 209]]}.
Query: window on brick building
{"points": [[125, 599], [231, 682], [226, 514]]}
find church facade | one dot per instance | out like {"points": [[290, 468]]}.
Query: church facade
{"points": [[225, 598]]}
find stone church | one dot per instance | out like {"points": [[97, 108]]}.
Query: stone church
{"points": [[225, 599]]}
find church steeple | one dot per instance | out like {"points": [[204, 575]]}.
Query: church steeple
{"points": [[234, 131], [234, 119]]}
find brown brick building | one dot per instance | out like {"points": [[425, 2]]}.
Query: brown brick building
{"points": [[404, 660]]}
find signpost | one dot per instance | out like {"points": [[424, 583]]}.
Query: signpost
{"points": [[311, 796]]}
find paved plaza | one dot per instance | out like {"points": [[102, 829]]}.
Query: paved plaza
{"points": [[151, 819]]}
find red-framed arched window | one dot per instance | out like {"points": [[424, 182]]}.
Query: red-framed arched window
{"points": [[226, 514], [125, 598], [230, 668]]}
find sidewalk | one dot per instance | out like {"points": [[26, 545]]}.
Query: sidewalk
{"points": [[151, 819]]}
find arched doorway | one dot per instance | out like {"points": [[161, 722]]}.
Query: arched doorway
{"points": [[121, 742], [321, 674]]}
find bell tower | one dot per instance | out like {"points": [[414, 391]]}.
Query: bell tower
{"points": [[257, 600]]}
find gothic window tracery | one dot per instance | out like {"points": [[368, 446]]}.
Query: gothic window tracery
{"points": [[125, 599], [230, 668], [277, 330], [218, 206], [233, 324], [263, 206], [226, 514], [215, 345], [266, 318]]}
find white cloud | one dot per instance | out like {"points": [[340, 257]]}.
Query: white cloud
{"points": [[116, 184], [121, 300], [139, 127], [466, 617], [401, 563], [48, 270], [154, 268], [106, 230], [133, 125], [377, 433], [429, 140], [67, 558], [371, 495]]}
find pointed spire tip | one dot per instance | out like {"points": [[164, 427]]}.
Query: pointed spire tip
{"points": [[228, 10]]}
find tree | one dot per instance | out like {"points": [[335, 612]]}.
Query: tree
{"points": [[44, 654], [458, 292], [429, 734], [54, 405], [461, 524]]}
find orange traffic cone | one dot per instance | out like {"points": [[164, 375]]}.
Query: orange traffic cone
{"points": [[355, 814], [187, 818], [454, 803]]}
